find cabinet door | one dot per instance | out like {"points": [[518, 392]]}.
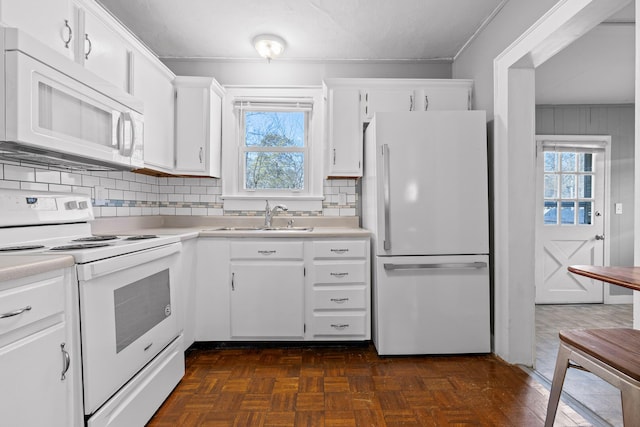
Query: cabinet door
{"points": [[191, 131], [344, 133], [33, 392], [387, 100], [102, 50], [154, 86], [267, 300], [49, 21], [443, 98]]}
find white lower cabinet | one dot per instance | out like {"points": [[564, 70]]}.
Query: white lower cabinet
{"points": [[340, 303], [39, 353], [287, 289], [267, 299]]}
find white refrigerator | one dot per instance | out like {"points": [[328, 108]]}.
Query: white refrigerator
{"points": [[425, 200]]}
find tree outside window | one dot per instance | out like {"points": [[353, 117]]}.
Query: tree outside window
{"points": [[275, 144]]}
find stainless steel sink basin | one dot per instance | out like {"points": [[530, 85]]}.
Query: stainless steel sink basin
{"points": [[288, 229], [264, 229]]}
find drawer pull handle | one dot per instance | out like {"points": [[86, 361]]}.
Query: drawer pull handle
{"points": [[339, 300], [270, 252], [66, 362], [148, 347], [339, 274], [15, 313], [340, 326], [339, 251]]}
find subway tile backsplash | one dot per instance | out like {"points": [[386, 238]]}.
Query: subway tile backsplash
{"points": [[132, 194]]}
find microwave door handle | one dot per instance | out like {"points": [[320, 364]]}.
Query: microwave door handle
{"points": [[116, 141], [127, 135]]}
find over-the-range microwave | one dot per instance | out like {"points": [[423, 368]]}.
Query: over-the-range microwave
{"points": [[54, 111]]}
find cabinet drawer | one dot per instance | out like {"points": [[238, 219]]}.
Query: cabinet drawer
{"points": [[267, 249], [340, 249], [351, 324], [340, 272], [334, 298], [29, 303]]}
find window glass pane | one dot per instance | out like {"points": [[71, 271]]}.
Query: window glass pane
{"points": [[550, 161], [274, 128], [568, 161], [584, 212], [568, 187], [550, 186], [550, 212], [567, 210], [274, 170], [585, 163], [585, 189]]}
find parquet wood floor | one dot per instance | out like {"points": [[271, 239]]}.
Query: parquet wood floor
{"points": [[352, 386]]}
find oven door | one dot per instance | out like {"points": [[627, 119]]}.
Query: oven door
{"points": [[126, 317]]}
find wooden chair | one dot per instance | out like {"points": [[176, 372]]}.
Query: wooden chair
{"points": [[611, 354]]}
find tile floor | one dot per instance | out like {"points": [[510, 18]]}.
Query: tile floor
{"points": [[594, 393]]}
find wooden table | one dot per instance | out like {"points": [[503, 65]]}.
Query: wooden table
{"points": [[629, 277]]}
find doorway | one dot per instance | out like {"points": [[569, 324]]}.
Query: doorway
{"points": [[572, 192]]}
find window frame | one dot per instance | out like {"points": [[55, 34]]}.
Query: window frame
{"points": [[234, 196], [243, 148]]}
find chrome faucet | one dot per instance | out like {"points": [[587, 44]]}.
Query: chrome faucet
{"points": [[269, 211]]}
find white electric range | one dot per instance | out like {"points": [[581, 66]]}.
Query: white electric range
{"points": [[132, 354]]}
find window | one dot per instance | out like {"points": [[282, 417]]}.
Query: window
{"points": [[274, 150], [568, 187]]}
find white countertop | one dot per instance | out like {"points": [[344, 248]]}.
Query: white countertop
{"points": [[19, 266]]}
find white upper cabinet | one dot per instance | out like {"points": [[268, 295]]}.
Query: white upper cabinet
{"points": [[153, 84], [198, 126], [100, 45], [344, 132], [390, 95], [51, 22], [387, 100], [352, 102]]}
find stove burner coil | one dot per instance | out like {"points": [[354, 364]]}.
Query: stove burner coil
{"points": [[95, 238], [21, 248], [80, 246], [142, 237]]}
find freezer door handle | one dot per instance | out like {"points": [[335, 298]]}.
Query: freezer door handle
{"points": [[454, 265], [386, 191]]}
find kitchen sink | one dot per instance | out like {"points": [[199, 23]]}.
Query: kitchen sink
{"points": [[285, 228]]}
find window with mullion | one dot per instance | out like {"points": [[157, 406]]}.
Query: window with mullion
{"points": [[568, 188], [274, 150]]}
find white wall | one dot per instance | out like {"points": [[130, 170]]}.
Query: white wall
{"points": [[476, 61], [308, 73]]}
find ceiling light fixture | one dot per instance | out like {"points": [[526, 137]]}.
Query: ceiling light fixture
{"points": [[269, 46]]}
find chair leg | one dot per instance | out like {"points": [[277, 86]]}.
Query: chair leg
{"points": [[562, 362], [630, 404]]}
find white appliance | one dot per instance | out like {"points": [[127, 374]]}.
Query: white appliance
{"points": [[132, 351], [54, 111], [425, 199]]}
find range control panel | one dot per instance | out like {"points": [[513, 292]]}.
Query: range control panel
{"points": [[24, 207]]}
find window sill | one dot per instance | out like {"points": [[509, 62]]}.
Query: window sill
{"points": [[257, 202]]}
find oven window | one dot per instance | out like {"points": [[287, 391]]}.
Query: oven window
{"points": [[140, 306]]}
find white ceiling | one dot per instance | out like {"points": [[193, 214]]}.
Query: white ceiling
{"points": [[313, 29]]}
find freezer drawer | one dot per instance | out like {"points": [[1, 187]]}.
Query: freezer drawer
{"points": [[431, 305]]}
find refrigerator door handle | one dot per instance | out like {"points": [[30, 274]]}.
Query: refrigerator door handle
{"points": [[458, 265], [386, 191]]}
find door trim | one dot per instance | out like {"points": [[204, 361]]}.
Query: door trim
{"points": [[600, 142]]}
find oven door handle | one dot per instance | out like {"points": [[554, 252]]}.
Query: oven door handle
{"points": [[100, 268]]}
